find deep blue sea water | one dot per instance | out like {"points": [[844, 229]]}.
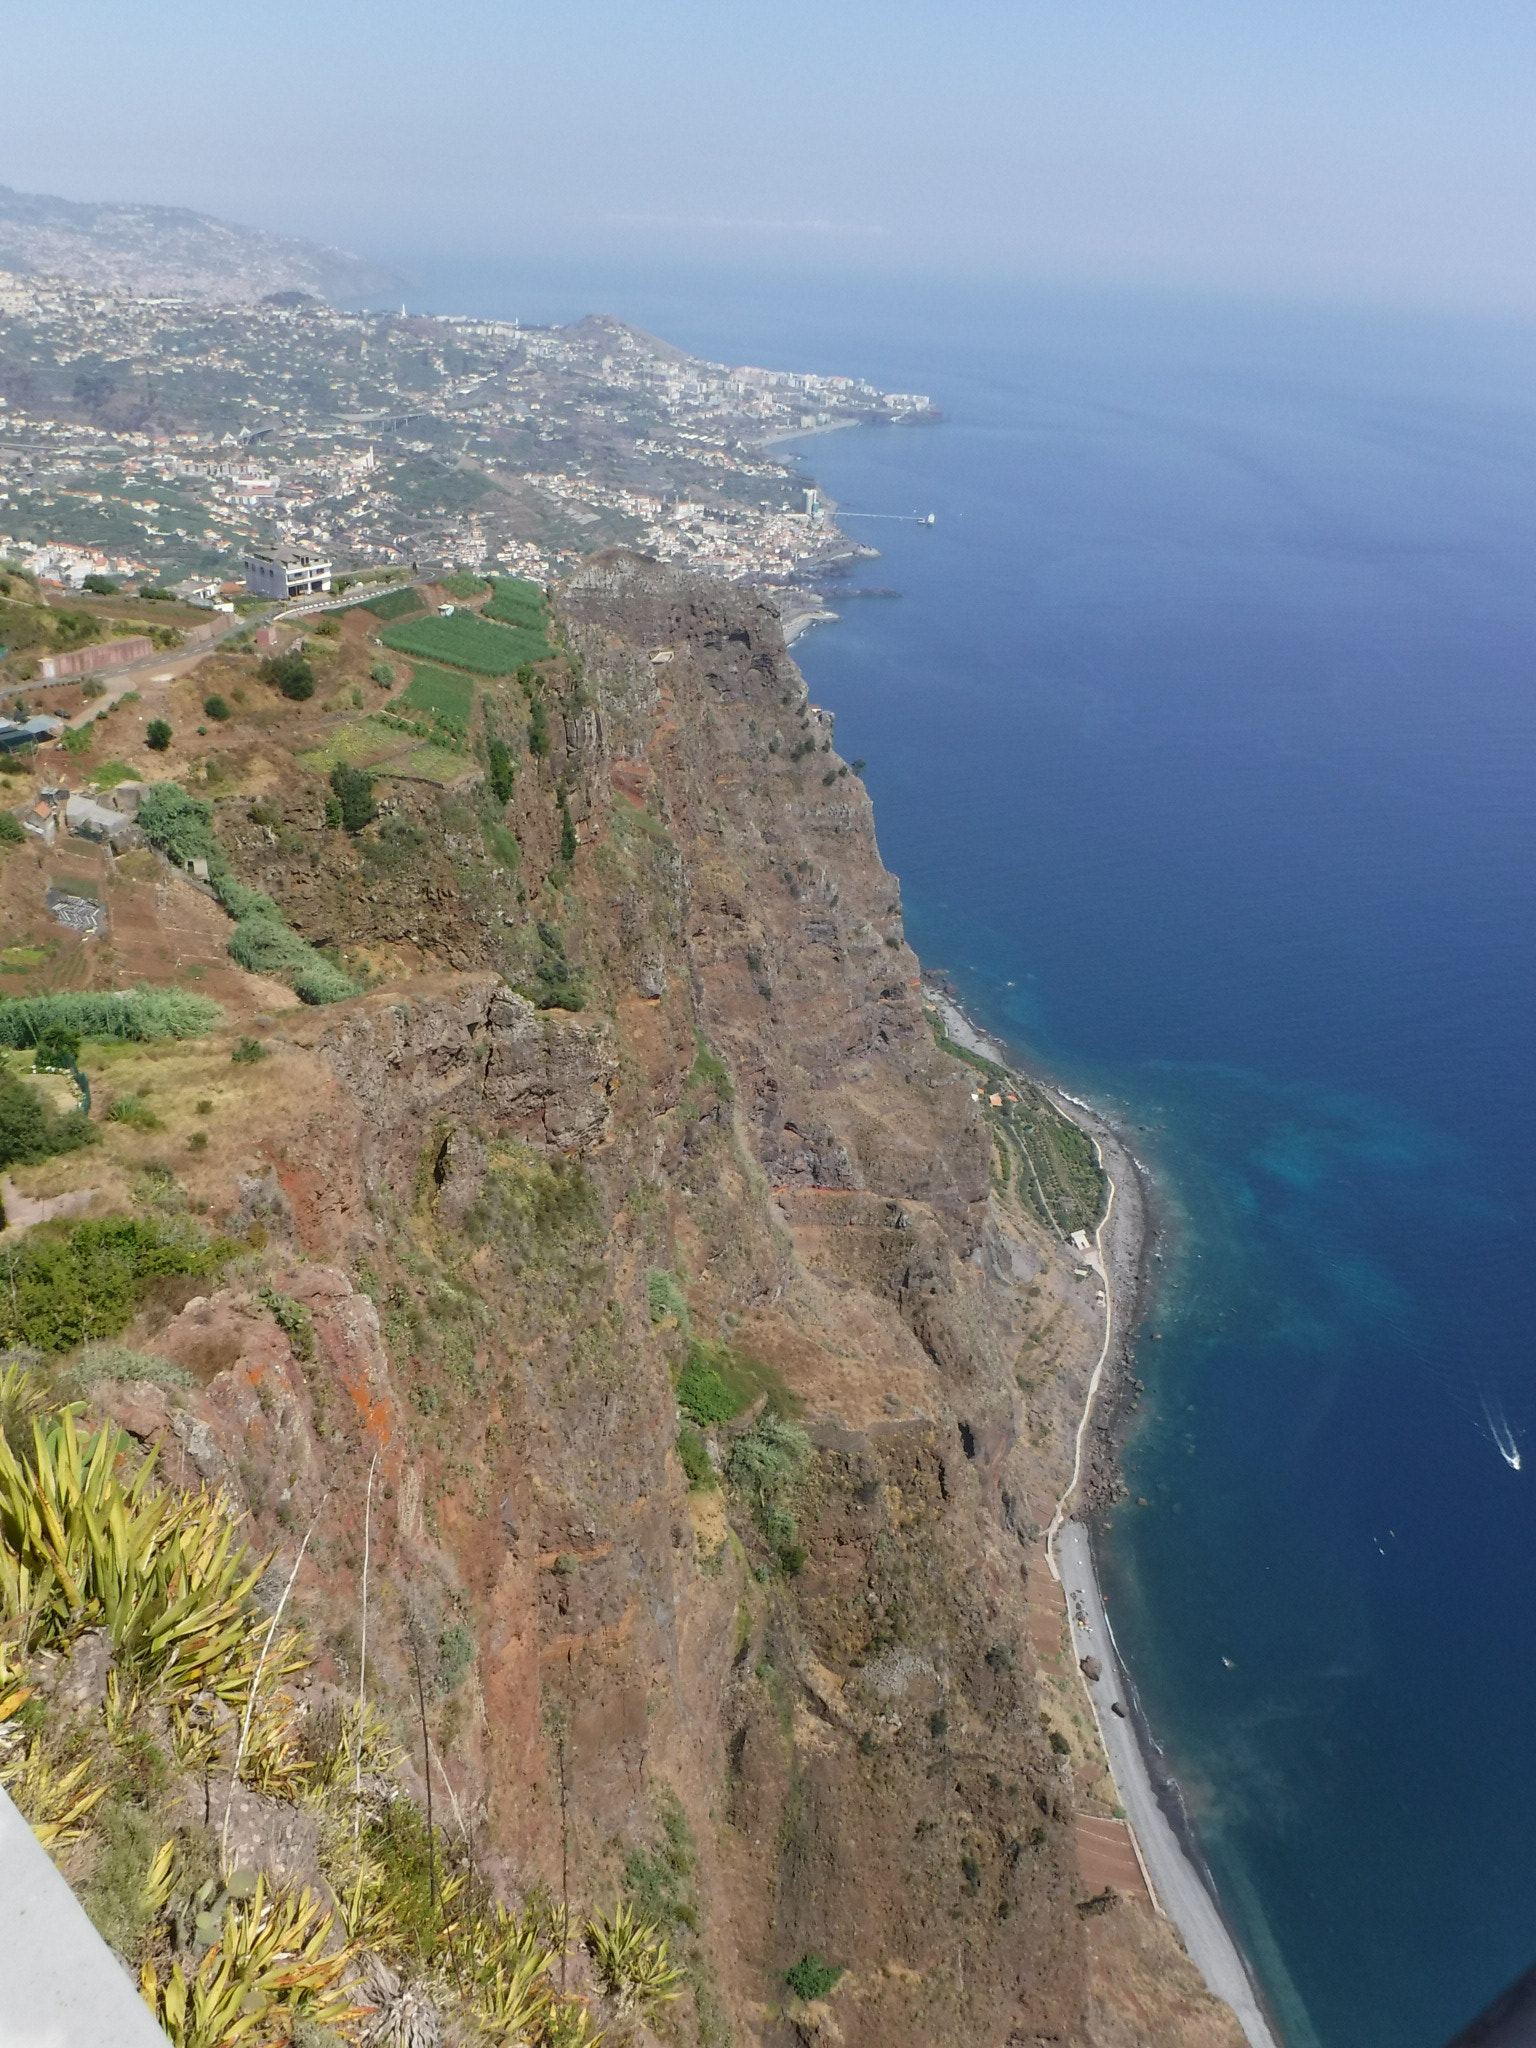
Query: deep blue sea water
{"points": [[1203, 739]]}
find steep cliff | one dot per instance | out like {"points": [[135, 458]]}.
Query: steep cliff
{"points": [[716, 1379]]}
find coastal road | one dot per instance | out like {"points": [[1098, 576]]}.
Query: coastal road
{"points": [[1180, 1891]]}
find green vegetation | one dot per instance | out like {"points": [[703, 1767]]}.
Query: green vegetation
{"points": [[717, 1383], [139, 1014], [534, 1207], [266, 945], [558, 985], [65, 1285], [248, 1051], [455, 1654], [135, 1111], [631, 1959], [383, 674], [291, 1317], [664, 1295], [439, 695], [465, 640], [110, 773], [812, 1977], [289, 673], [567, 832], [353, 790], [1049, 1159], [463, 585], [262, 942], [12, 831], [158, 735], [215, 708], [538, 728], [499, 767], [517, 603], [394, 604], [31, 1129], [693, 1455], [766, 1465]]}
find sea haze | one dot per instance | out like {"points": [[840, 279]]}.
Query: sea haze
{"points": [[1203, 738]]}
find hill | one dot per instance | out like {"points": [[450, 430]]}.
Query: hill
{"points": [[170, 251]]}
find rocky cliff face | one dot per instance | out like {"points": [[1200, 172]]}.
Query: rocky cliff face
{"points": [[800, 1713]]}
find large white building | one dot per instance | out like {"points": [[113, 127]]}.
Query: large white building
{"points": [[272, 572]]}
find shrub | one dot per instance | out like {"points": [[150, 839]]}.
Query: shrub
{"points": [[12, 831], [693, 1455], [289, 673], [78, 739], [664, 1297], [332, 814], [455, 1654], [631, 1959], [248, 1052], [157, 735], [499, 759], [31, 1129], [538, 730], [63, 1286], [118, 1362], [292, 1318], [702, 1394], [99, 586], [812, 1977], [353, 790], [134, 1110], [216, 709], [328, 628], [56, 1049], [766, 1464], [383, 674], [567, 833]]}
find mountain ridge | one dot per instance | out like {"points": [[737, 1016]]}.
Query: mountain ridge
{"points": [[176, 252]]}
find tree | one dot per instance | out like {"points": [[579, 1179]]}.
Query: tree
{"points": [[158, 735], [499, 755], [100, 586], [354, 793], [538, 730], [291, 674]]}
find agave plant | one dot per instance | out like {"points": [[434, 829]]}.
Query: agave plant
{"points": [[267, 1970], [631, 1959], [57, 1804], [160, 1571]]}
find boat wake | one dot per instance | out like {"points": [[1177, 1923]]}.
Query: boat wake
{"points": [[1503, 1435]]}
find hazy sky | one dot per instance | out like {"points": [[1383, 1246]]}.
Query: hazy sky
{"points": [[1377, 148]]}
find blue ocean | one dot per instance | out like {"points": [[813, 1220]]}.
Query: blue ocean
{"points": [[1203, 739]]}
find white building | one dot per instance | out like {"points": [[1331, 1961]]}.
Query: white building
{"points": [[272, 572]]}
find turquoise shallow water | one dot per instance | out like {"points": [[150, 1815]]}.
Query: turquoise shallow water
{"points": [[1203, 741]]}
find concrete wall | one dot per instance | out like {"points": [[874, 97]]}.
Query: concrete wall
{"points": [[60, 1985]]}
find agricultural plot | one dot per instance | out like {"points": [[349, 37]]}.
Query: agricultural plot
{"points": [[463, 586], [360, 743], [516, 603], [465, 640], [394, 604], [438, 693]]}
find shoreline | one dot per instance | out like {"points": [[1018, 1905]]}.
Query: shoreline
{"points": [[1167, 1844]]}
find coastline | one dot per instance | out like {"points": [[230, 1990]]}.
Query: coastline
{"points": [[1178, 1877]]}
